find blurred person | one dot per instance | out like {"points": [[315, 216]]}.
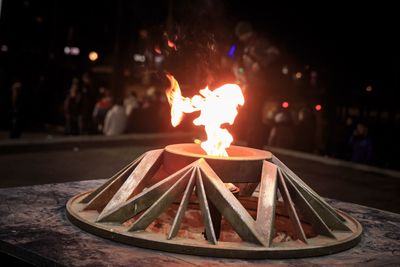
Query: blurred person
{"points": [[347, 133], [339, 138], [149, 111], [281, 134], [72, 110], [131, 102], [146, 46], [268, 120], [305, 130], [76, 82], [143, 52], [103, 105], [88, 101], [361, 145], [115, 121], [17, 109], [133, 119], [149, 97], [321, 133], [138, 119], [258, 62]]}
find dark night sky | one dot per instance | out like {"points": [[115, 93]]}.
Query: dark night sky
{"points": [[352, 46], [355, 43]]}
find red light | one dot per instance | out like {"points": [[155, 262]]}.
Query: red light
{"points": [[318, 107], [285, 104], [157, 50], [171, 44]]}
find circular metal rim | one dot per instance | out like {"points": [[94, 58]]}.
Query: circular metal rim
{"points": [[249, 252], [256, 154]]}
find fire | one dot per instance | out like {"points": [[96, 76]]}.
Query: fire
{"points": [[216, 107]]}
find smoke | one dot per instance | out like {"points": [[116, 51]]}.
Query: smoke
{"points": [[197, 39]]}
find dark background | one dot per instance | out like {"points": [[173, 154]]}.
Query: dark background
{"points": [[350, 47]]}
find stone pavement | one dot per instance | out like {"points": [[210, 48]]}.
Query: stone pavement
{"points": [[46, 160], [34, 227]]}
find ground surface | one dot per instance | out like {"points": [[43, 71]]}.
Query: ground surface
{"points": [[34, 227], [38, 162]]}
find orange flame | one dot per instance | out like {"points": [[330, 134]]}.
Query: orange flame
{"points": [[216, 108]]}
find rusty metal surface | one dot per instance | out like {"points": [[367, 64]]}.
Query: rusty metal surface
{"points": [[266, 202], [236, 153], [245, 167], [100, 197], [126, 169], [143, 200], [223, 249], [247, 189], [300, 182], [329, 216], [137, 179], [294, 218], [302, 216], [203, 203], [161, 204], [229, 206], [306, 209], [182, 207], [34, 228]]}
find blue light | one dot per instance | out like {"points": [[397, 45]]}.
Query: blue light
{"points": [[232, 50]]}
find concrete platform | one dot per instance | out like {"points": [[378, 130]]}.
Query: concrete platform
{"points": [[34, 227]]}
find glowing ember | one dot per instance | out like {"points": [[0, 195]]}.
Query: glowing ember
{"points": [[216, 108]]}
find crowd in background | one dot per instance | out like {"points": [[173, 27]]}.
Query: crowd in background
{"points": [[90, 110], [254, 62]]}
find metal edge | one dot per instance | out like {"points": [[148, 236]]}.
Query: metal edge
{"points": [[212, 250]]}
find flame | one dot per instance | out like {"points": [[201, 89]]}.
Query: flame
{"points": [[216, 108]]}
